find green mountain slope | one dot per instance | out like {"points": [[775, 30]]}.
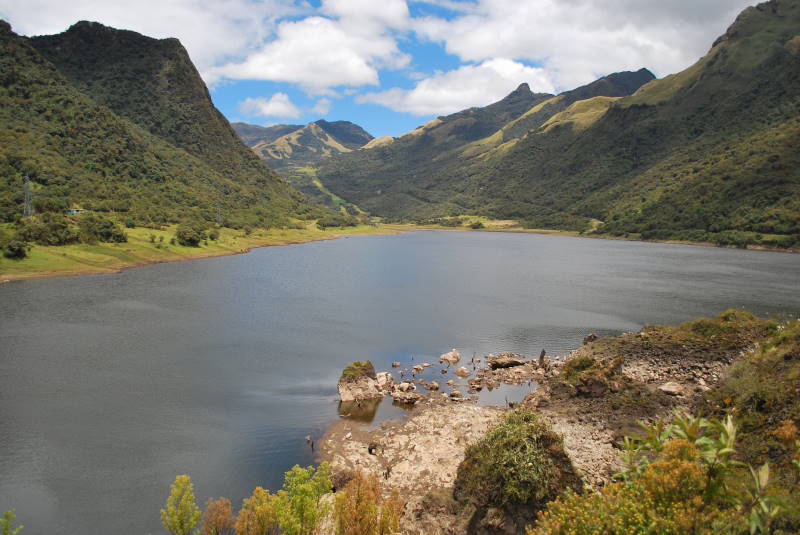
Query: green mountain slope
{"points": [[421, 174], [709, 153], [295, 153], [153, 83], [79, 152], [252, 134]]}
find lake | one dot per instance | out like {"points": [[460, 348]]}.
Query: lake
{"points": [[111, 385]]}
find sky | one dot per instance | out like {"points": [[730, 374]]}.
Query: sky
{"points": [[391, 65]]}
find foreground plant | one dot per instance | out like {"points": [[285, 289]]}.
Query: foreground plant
{"points": [[7, 523], [680, 477], [181, 513], [360, 509]]}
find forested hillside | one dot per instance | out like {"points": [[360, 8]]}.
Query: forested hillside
{"points": [[143, 139], [709, 153]]}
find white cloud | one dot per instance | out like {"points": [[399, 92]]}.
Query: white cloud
{"points": [[577, 41], [322, 107], [464, 87], [318, 53], [278, 105], [212, 31]]}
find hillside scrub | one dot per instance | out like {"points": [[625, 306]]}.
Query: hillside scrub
{"points": [[517, 467]]}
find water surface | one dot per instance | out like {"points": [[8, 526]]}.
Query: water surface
{"points": [[110, 385]]}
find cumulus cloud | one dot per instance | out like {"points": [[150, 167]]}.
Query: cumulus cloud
{"points": [[464, 87], [318, 54], [578, 40], [278, 105], [322, 107]]}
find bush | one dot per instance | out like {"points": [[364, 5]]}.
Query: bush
{"points": [[94, 228], [15, 250], [47, 229], [181, 513], [521, 462], [680, 478], [213, 234], [475, 225], [190, 234], [336, 221], [217, 518], [360, 508]]}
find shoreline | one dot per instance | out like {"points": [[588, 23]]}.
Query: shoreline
{"points": [[271, 240], [633, 377], [266, 239]]}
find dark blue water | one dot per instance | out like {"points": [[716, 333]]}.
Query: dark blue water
{"points": [[111, 385]]}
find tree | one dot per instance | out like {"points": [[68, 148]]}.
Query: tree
{"points": [[7, 523], [258, 515], [181, 515], [361, 510], [300, 508], [218, 517]]}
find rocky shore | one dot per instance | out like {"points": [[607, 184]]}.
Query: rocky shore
{"points": [[592, 397]]}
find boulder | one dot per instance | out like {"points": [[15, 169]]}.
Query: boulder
{"points": [[417, 368], [451, 357], [462, 372], [385, 381], [589, 338], [406, 387], [408, 398], [359, 382], [505, 360], [395, 364], [671, 388], [433, 385]]}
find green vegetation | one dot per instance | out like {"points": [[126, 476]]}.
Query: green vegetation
{"points": [[7, 523], [181, 513], [519, 464], [681, 477], [152, 156], [191, 234], [297, 509], [705, 155], [359, 368]]}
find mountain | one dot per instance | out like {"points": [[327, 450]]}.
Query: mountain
{"points": [[111, 120], [709, 153], [252, 134], [296, 152], [402, 178]]}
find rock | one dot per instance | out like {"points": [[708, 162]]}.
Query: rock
{"points": [[451, 357], [406, 387], [385, 381], [450, 382], [671, 388], [409, 398], [395, 364], [455, 394], [417, 368], [433, 385], [425, 365], [462, 372], [359, 382], [506, 360], [589, 338], [348, 436]]}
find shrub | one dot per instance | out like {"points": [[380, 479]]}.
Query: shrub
{"points": [[259, 514], [521, 462], [300, 507], [336, 221], [15, 250], [475, 225], [360, 508], [47, 229], [213, 234], [217, 518], [190, 234], [7, 523], [680, 477], [94, 228], [181, 513]]}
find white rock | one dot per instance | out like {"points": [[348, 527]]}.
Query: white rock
{"points": [[451, 357]]}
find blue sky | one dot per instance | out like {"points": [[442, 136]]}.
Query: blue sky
{"points": [[391, 65]]}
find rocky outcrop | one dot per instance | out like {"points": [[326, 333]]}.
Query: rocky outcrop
{"points": [[359, 382], [462, 372], [451, 357], [408, 398], [385, 381], [505, 360]]}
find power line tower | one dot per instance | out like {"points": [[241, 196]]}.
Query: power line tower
{"points": [[27, 209]]}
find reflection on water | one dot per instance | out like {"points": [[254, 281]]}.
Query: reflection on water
{"points": [[373, 411], [504, 394]]}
